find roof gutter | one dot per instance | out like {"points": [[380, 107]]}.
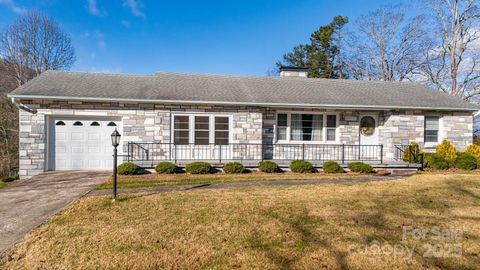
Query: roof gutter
{"points": [[23, 106], [263, 104]]}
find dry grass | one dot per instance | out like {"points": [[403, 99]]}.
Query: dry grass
{"points": [[155, 180], [304, 227]]}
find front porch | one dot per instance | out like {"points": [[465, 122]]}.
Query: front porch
{"points": [[149, 154]]}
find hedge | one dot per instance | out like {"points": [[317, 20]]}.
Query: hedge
{"points": [[7, 179], [166, 167], [268, 166], [128, 168], [466, 161], [332, 167], [437, 162], [234, 167], [198, 168], [360, 167], [301, 166]]}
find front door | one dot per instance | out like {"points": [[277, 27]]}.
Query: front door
{"points": [[369, 149]]}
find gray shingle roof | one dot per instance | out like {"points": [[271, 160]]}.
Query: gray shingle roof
{"points": [[244, 90]]}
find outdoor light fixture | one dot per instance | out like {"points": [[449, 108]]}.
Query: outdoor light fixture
{"points": [[115, 142]]}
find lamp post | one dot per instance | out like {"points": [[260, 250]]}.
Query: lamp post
{"points": [[115, 136]]}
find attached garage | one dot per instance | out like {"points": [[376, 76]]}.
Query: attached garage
{"points": [[81, 143]]}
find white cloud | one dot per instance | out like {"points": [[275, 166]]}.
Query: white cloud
{"points": [[93, 8], [135, 7], [100, 39], [13, 7], [125, 23], [97, 36]]}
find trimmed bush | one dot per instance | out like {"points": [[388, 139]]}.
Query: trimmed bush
{"points": [[234, 167], [474, 150], [166, 167], [411, 153], [7, 179], [128, 168], [438, 163], [301, 166], [268, 166], [447, 151], [198, 168], [332, 167], [360, 167], [466, 161]]}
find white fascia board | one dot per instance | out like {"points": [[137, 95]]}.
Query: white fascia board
{"points": [[294, 105]]}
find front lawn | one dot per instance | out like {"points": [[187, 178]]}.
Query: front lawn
{"points": [[156, 180], [354, 226]]}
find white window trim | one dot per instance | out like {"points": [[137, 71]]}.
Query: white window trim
{"points": [[324, 128], [191, 125], [440, 133]]}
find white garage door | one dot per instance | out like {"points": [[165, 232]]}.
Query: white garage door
{"points": [[80, 144]]}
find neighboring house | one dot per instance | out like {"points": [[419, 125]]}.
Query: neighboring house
{"points": [[68, 118]]}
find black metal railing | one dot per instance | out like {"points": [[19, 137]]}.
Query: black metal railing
{"points": [[408, 153], [150, 152]]}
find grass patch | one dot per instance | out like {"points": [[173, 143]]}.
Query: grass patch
{"points": [[306, 227], [156, 180], [3, 184]]}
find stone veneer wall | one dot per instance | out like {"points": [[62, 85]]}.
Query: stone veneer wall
{"points": [[151, 123], [141, 123], [403, 127]]}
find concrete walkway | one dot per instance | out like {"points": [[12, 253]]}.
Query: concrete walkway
{"points": [[255, 184], [27, 203]]}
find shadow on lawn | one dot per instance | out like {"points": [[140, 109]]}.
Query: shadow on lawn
{"points": [[381, 220], [297, 223]]}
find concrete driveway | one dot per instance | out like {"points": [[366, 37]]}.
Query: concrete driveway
{"points": [[26, 204]]}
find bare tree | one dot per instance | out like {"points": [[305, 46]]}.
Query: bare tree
{"points": [[35, 43], [452, 62], [31, 45], [388, 45]]}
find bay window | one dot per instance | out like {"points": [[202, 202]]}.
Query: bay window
{"points": [[305, 127]]}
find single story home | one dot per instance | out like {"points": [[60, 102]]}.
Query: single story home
{"points": [[66, 119]]}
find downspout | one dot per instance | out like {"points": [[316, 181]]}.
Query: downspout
{"points": [[23, 107]]}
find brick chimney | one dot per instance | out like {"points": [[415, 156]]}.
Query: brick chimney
{"points": [[294, 72]]}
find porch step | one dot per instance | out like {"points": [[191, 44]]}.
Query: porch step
{"points": [[403, 172]]}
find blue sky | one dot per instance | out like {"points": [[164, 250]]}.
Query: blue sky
{"points": [[227, 37]]}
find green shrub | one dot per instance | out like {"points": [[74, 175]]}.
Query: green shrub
{"points": [[474, 150], [268, 166], [411, 153], [7, 179], [234, 167], [428, 159], [198, 168], [166, 167], [447, 151], [360, 167], [466, 161], [332, 167], [128, 168], [301, 166], [438, 163]]}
